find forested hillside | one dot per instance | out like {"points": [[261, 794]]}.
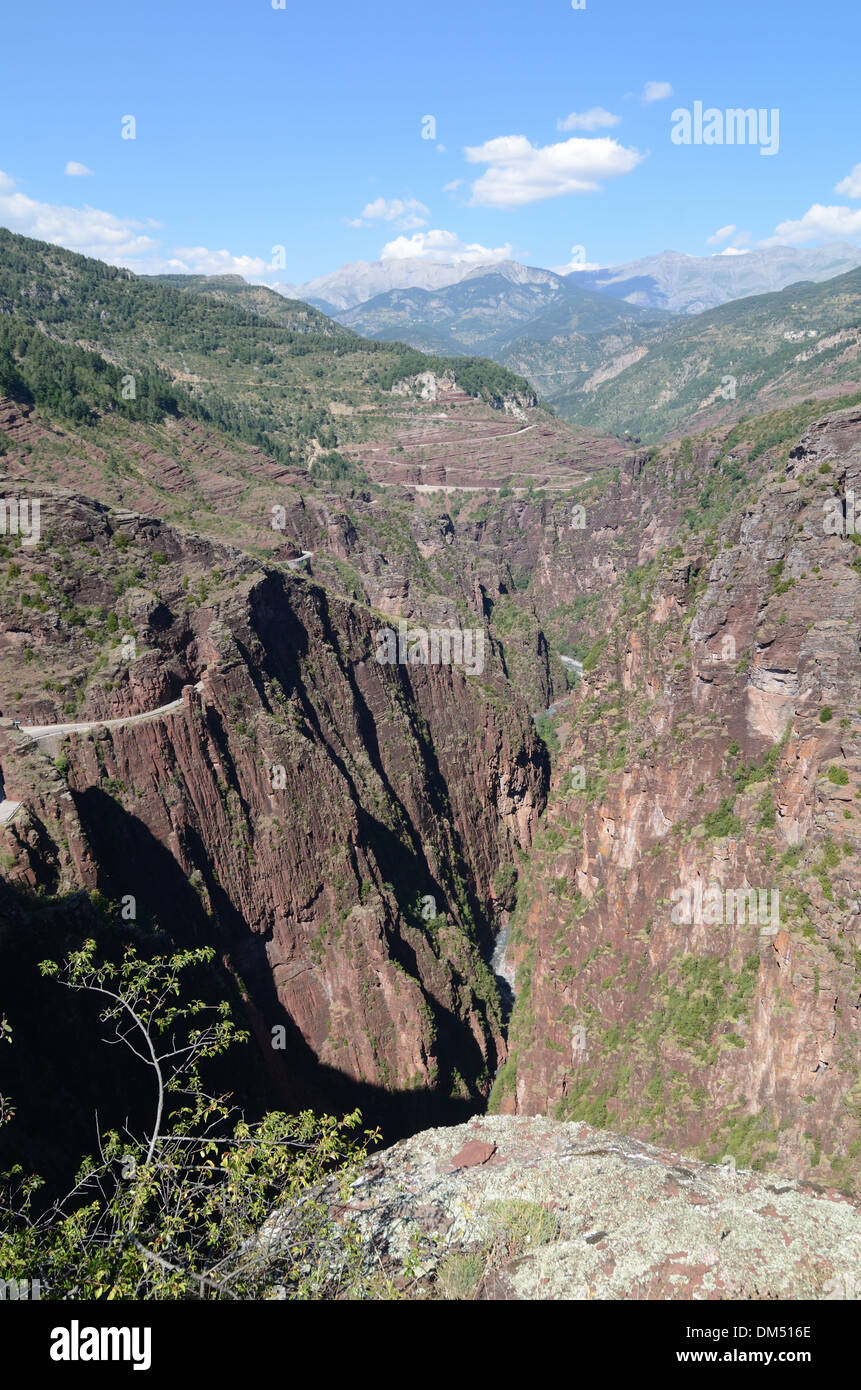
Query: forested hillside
{"points": [[277, 375]]}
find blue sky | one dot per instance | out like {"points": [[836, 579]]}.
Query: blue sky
{"points": [[259, 127]]}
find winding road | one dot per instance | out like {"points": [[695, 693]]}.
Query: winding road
{"points": [[38, 732]]}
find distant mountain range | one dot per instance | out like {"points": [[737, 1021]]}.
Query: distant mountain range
{"points": [[690, 284], [631, 347], [359, 281], [559, 334], [744, 358], [671, 280]]}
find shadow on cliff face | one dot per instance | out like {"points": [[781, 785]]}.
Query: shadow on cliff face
{"points": [[67, 1085], [133, 861], [285, 642]]}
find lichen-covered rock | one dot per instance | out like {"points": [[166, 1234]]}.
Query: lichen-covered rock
{"points": [[562, 1211]]}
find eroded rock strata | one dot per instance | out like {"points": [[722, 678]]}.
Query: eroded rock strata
{"points": [[714, 744], [711, 745], [338, 827]]}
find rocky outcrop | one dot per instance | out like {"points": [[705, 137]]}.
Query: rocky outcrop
{"points": [[518, 1208]]}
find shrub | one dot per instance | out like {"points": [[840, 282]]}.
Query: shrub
{"points": [[723, 822]]}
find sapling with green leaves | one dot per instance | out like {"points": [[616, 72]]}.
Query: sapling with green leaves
{"points": [[202, 1204]]}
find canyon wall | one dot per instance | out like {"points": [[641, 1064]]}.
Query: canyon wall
{"points": [[712, 748], [343, 830], [351, 833]]}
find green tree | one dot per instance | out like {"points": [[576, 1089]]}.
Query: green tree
{"points": [[204, 1204]]}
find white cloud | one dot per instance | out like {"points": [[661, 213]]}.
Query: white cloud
{"points": [[90, 231], [453, 186], [388, 209], [656, 91], [119, 241], [406, 213], [593, 119], [200, 261], [722, 234], [576, 265], [828, 223], [851, 185], [76, 169], [439, 245], [520, 172], [737, 240]]}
